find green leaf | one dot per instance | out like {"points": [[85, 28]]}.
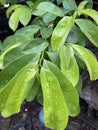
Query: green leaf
{"points": [[76, 36], [61, 32], [89, 59], [59, 2], [33, 91], [25, 15], [69, 91], [69, 65], [55, 108], [5, 51], [36, 46], [40, 96], [69, 5], [14, 19], [3, 2], [79, 85], [51, 8], [7, 74], [89, 29], [54, 57], [92, 13], [1, 46], [46, 31], [16, 90], [11, 9], [28, 31], [48, 17], [82, 5]]}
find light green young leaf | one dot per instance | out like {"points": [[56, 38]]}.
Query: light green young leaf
{"points": [[14, 19], [69, 5], [69, 91], [55, 108], [12, 8], [25, 15], [92, 13], [89, 59], [82, 5], [69, 65], [14, 93], [61, 32], [51, 8], [89, 29]]}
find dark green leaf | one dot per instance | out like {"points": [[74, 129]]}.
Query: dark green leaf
{"points": [[69, 5], [33, 91], [89, 29], [76, 36], [55, 108], [46, 31]]}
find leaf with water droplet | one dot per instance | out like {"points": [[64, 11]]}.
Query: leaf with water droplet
{"points": [[55, 107], [69, 91], [68, 64], [89, 59], [17, 89]]}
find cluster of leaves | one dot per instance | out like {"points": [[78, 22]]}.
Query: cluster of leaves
{"points": [[45, 58]]}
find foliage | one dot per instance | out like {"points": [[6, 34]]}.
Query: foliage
{"points": [[45, 58]]}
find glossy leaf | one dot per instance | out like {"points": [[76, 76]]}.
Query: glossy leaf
{"points": [[90, 61], [25, 15], [89, 29], [69, 5], [92, 13], [55, 108], [61, 32], [16, 90], [51, 8], [69, 65], [69, 91]]}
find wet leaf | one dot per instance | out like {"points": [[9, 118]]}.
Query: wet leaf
{"points": [[89, 29], [13, 94], [68, 64], [51, 8], [61, 32], [89, 59], [69, 91], [55, 108]]}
